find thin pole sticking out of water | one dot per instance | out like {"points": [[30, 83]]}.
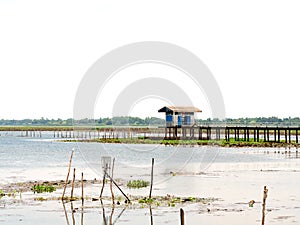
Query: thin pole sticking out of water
{"points": [[82, 199], [111, 183], [181, 216], [103, 181], [73, 182], [82, 193], [151, 178], [128, 200], [264, 205], [67, 178]]}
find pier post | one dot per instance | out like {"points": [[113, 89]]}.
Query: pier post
{"points": [[285, 135], [235, 133], [248, 138], [200, 133]]}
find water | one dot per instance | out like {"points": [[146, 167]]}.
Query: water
{"points": [[234, 175]]}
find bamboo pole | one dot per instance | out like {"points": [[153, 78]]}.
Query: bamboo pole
{"points": [[181, 216], [118, 187], [67, 178], [111, 183], [82, 192], [264, 205], [82, 201], [151, 178], [103, 182], [73, 182]]}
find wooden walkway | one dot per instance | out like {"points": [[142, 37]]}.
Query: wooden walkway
{"points": [[238, 133]]}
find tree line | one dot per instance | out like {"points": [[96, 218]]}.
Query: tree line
{"points": [[150, 121]]}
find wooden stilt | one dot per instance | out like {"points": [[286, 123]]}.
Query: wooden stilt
{"points": [[151, 184], [67, 178]]}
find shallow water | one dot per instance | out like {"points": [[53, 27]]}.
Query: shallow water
{"points": [[234, 175]]}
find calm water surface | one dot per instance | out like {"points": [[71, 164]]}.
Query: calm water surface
{"points": [[234, 175]]}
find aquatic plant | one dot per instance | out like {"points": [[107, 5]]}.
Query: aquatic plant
{"points": [[137, 183], [43, 188], [146, 200], [1, 193]]}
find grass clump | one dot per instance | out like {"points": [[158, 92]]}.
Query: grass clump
{"points": [[146, 200], [1, 193], [43, 188], [137, 183]]}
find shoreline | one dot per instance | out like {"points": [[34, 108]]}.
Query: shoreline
{"points": [[221, 143]]}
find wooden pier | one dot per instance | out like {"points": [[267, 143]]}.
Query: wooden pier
{"points": [[238, 133], [227, 133]]}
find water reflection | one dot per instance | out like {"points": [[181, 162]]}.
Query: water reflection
{"points": [[292, 155], [109, 220], [66, 214], [151, 216], [106, 220]]}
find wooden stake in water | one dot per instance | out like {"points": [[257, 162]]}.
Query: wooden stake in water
{"points": [[128, 200], [181, 216], [73, 182], [67, 178], [82, 193], [111, 182], [82, 199], [103, 181], [264, 205], [151, 184]]}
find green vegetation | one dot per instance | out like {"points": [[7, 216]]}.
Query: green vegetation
{"points": [[41, 199], [146, 200], [172, 201], [221, 143], [137, 183], [43, 188], [115, 121], [9, 194], [153, 121]]}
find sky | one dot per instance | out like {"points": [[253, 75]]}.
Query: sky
{"points": [[252, 48]]}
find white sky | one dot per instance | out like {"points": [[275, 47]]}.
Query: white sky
{"points": [[251, 47]]}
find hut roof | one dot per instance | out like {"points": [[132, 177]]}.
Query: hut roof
{"points": [[179, 109]]}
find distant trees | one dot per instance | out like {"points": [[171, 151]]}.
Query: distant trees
{"points": [[150, 121]]}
